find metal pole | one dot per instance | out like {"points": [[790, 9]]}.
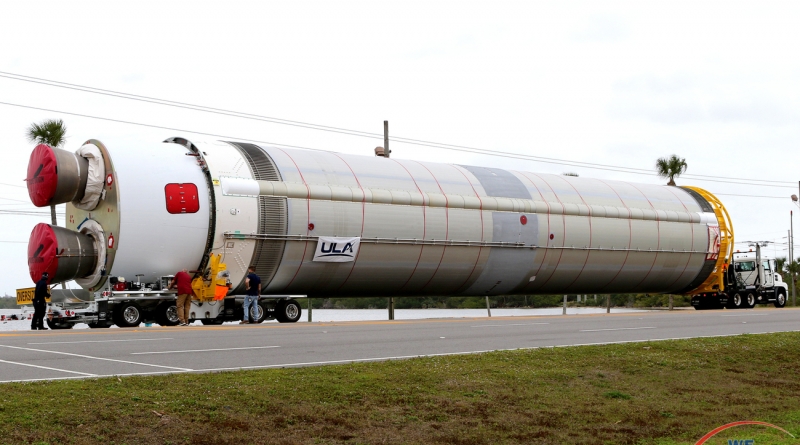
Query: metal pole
{"points": [[791, 254], [53, 215], [488, 309], [670, 301], [608, 304], [789, 263], [309, 309], [564, 312], [391, 308], [386, 139]]}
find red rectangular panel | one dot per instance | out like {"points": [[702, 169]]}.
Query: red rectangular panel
{"points": [[182, 198]]}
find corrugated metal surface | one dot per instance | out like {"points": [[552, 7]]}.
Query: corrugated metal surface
{"points": [[271, 215], [589, 235]]}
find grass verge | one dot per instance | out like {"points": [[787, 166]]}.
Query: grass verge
{"points": [[668, 392]]}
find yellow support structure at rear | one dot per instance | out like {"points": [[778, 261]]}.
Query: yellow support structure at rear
{"points": [[212, 285], [716, 281]]}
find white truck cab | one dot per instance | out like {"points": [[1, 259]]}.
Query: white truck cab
{"points": [[759, 275]]}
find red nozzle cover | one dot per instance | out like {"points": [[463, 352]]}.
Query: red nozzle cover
{"points": [[42, 252], [42, 175]]}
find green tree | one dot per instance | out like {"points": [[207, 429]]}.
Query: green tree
{"points": [[780, 267], [51, 132], [671, 167]]}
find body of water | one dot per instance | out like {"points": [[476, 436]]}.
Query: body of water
{"points": [[331, 315]]}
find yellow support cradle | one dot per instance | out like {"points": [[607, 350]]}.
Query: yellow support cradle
{"points": [[716, 281], [212, 285]]}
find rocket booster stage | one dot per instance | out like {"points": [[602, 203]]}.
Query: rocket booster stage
{"points": [[416, 228]]}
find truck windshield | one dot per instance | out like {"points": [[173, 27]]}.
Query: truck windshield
{"points": [[745, 266]]}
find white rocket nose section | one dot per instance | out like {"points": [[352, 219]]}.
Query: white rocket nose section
{"points": [[239, 186]]}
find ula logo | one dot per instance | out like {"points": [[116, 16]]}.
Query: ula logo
{"points": [[738, 441], [336, 250], [332, 251]]}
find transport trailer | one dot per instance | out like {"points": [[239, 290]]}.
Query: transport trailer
{"points": [[748, 280], [132, 308], [324, 224], [128, 304]]}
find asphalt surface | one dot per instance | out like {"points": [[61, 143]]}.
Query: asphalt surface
{"points": [[71, 354]]}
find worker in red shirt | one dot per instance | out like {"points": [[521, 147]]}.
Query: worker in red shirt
{"points": [[183, 282]]}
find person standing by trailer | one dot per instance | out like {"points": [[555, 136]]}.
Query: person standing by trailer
{"points": [[40, 303], [183, 282], [253, 284]]}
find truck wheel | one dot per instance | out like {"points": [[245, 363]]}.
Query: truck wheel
{"points": [[167, 314], [736, 301], [780, 298], [288, 311], [56, 325], [100, 324], [128, 315], [750, 301]]}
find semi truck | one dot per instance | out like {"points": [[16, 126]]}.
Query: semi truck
{"points": [[749, 279]]}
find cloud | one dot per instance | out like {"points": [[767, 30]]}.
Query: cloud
{"points": [[603, 28], [684, 99]]}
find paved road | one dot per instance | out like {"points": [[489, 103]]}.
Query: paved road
{"points": [[51, 355]]}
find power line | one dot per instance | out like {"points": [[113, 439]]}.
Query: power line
{"points": [[206, 109], [157, 126], [511, 156], [751, 196], [12, 185], [27, 212], [17, 200]]}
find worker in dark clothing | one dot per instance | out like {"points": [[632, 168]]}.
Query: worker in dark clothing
{"points": [[253, 284], [40, 303]]}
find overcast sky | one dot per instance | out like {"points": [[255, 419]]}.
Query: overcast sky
{"points": [[617, 83]]}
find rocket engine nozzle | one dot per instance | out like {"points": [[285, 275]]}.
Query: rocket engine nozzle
{"points": [[64, 254], [56, 176]]}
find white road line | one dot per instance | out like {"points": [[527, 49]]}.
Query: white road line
{"points": [[743, 315], [97, 341], [49, 369], [203, 350], [502, 325], [616, 329], [49, 380], [96, 358]]}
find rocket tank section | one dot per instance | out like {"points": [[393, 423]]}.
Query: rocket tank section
{"points": [[424, 228]]}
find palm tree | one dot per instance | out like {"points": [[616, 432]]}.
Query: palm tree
{"points": [[780, 266], [670, 168], [53, 133]]}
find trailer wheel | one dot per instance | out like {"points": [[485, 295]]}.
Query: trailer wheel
{"points": [[210, 321], [750, 301], [56, 325], [100, 324], [257, 314], [128, 315], [780, 298], [166, 314], [288, 311]]}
